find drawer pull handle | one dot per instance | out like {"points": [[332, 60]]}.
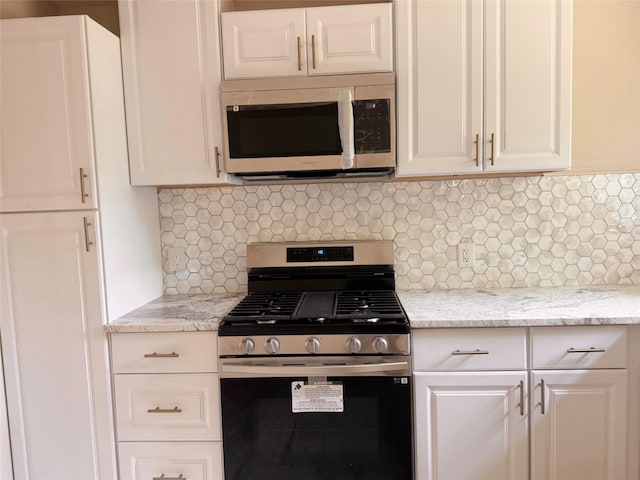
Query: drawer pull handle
{"points": [[87, 242], [161, 355], [521, 398], [162, 477], [164, 410], [470, 352], [83, 192], [586, 350]]}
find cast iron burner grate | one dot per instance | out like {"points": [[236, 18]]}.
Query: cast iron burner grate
{"points": [[368, 304], [271, 306]]}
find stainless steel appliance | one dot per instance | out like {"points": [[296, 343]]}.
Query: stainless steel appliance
{"points": [[291, 128], [315, 368]]}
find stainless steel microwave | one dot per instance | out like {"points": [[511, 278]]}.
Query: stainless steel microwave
{"points": [[334, 126]]}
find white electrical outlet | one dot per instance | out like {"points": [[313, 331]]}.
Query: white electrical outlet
{"points": [[466, 255], [176, 260]]}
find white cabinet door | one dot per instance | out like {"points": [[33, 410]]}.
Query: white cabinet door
{"points": [[528, 85], [54, 347], [155, 460], [171, 70], [46, 116], [483, 86], [264, 43], [350, 39], [471, 426], [312, 41], [440, 80], [578, 425]]}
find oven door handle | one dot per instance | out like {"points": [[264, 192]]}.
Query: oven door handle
{"points": [[315, 370]]}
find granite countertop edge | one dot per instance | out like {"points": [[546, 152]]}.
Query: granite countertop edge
{"points": [[511, 307]]}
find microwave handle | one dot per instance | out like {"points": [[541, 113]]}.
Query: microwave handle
{"points": [[345, 125]]}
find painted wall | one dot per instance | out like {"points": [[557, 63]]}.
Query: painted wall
{"points": [[606, 86]]}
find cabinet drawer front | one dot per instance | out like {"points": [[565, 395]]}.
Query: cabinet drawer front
{"points": [[164, 352], [579, 347], [469, 349], [151, 460], [167, 407]]}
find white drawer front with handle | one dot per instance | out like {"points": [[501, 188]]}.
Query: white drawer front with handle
{"points": [[167, 407], [469, 349], [170, 461], [579, 347], [164, 352]]}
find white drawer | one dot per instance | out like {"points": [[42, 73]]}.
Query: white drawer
{"points": [[469, 349], [164, 352], [168, 407], [579, 347], [151, 460]]}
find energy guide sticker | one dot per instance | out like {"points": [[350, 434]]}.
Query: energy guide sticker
{"points": [[319, 397]]}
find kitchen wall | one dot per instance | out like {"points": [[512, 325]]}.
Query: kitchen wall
{"points": [[528, 231]]}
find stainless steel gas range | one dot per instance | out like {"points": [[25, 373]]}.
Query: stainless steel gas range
{"points": [[315, 368]]}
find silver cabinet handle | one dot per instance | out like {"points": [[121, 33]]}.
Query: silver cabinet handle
{"points": [[477, 143], [164, 410], [542, 400], [161, 355], [586, 350], [83, 192], [521, 398], [470, 352], [86, 225], [493, 143], [162, 477], [313, 51], [217, 159]]}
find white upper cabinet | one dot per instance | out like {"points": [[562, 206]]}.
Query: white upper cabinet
{"points": [[483, 86], [171, 69], [312, 41], [47, 132]]}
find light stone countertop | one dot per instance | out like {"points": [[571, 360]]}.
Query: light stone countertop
{"points": [[514, 307], [177, 313], [517, 307]]}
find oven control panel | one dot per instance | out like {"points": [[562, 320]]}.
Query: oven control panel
{"points": [[319, 254]]}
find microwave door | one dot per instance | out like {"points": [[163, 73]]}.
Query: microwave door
{"points": [[273, 131]]}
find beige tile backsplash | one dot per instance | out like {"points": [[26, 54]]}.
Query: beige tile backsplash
{"points": [[527, 231]]}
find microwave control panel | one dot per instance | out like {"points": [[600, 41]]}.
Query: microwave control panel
{"points": [[372, 126]]}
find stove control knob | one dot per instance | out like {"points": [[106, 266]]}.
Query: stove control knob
{"points": [[312, 345], [272, 345], [246, 346], [380, 344], [354, 344]]}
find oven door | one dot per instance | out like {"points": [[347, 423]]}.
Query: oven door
{"points": [[347, 426]]}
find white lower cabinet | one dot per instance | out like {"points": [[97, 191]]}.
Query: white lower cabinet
{"points": [[475, 426], [579, 425], [579, 403], [473, 420], [167, 402]]}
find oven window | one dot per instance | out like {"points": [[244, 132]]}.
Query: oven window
{"points": [[370, 439], [301, 129]]}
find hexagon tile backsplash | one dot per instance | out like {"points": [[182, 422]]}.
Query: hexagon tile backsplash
{"points": [[527, 231]]}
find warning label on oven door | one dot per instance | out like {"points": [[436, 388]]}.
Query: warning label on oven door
{"points": [[318, 397]]}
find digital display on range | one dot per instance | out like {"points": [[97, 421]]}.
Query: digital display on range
{"points": [[319, 254]]}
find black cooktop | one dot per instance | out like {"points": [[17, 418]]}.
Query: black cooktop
{"points": [[357, 311]]}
